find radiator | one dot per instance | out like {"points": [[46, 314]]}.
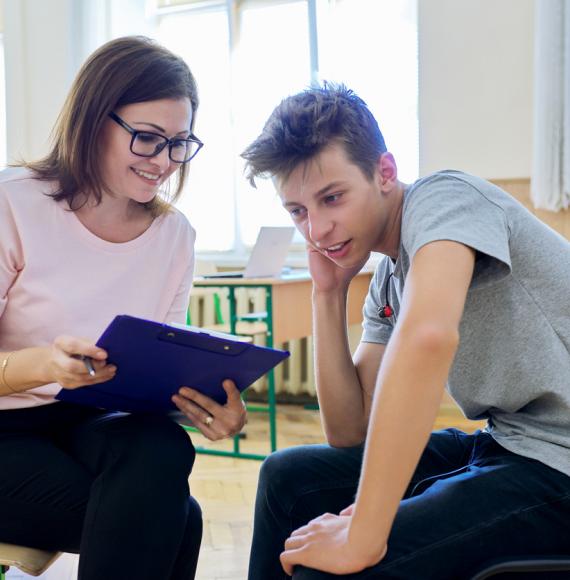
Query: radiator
{"points": [[295, 376]]}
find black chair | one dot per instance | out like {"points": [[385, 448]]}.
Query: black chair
{"points": [[532, 568]]}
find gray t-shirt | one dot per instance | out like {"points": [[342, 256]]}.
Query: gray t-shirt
{"points": [[512, 366]]}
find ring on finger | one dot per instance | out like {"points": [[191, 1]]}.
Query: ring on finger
{"points": [[209, 420]]}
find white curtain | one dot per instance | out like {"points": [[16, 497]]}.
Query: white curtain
{"points": [[550, 184]]}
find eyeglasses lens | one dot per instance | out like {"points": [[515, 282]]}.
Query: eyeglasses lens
{"points": [[150, 144]]}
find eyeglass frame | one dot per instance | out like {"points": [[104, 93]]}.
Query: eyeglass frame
{"points": [[167, 142]]}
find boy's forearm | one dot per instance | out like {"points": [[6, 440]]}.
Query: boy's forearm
{"points": [[410, 387], [338, 387]]}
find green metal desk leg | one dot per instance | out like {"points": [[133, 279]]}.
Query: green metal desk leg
{"points": [[272, 410], [271, 375], [233, 328]]}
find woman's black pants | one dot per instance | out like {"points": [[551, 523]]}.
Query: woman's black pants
{"points": [[112, 487]]}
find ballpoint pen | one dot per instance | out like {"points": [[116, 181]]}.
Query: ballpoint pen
{"points": [[88, 362], [89, 365]]}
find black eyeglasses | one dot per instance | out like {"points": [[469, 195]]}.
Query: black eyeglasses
{"points": [[148, 144]]}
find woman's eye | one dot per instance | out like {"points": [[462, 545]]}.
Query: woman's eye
{"points": [[148, 138]]}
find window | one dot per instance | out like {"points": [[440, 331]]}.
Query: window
{"points": [[247, 55], [202, 38]]}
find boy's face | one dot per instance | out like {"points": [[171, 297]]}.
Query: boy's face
{"points": [[336, 207]]}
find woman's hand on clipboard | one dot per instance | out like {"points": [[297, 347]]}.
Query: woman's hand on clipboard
{"points": [[214, 421]]}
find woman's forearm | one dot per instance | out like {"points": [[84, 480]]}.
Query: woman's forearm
{"points": [[24, 369]]}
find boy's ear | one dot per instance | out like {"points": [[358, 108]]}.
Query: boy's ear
{"points": [[387, 170]]}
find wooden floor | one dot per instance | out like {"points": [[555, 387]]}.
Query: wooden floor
{"points": [[225, 487]]}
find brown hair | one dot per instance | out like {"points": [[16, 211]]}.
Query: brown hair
{"points": [[302, 125], [133, 69]]}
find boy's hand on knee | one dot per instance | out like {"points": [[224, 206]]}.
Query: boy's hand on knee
{"points": [[325, 544]]}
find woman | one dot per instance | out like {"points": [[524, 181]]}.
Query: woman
{"points": [[84, 236]]}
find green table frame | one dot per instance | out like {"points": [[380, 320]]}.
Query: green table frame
{"points": [[270, 408]]}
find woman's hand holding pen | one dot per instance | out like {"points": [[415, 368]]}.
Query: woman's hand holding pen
{"points": [[68, 363], [214, 421]]}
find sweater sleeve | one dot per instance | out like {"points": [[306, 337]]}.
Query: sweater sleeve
{"points": [[11, 253]]}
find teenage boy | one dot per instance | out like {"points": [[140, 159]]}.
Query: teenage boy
{"points": [[472, 294]]}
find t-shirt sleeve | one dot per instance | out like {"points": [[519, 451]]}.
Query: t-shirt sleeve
{"points": [[448, 208], [177, 312], [11, 255], [376, 329]]}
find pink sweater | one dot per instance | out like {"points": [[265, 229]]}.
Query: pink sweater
{"points": [[56, 277]]}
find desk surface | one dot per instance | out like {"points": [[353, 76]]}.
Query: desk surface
{"points": [[293, 278], [291, 301]]}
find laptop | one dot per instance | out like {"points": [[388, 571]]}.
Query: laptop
{"points": [[268, 255]]}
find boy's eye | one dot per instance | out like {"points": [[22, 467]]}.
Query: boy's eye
{"points": [[332, 197], [296, 211]]}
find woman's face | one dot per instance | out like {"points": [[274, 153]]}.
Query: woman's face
{"points": [[130, 176]]}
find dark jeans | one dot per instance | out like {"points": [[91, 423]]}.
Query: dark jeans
{"points": [[470, 501], [112, 487]]}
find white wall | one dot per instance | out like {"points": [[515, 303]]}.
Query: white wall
{"points": [[38, 59], [475, 85], [46, 41]]}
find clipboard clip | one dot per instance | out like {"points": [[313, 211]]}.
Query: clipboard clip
{"points": [[202, 341]]}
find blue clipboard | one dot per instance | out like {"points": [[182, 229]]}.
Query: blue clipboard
{"points": [[154, 360]]}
